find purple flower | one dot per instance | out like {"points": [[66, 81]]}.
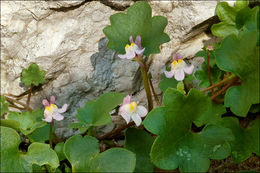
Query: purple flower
{"points": [[52, 111], [130, 110], [133, 49], [178, 68]]}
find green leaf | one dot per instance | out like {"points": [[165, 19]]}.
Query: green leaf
{"points": [[28, 121], [202, 75], [246, 140], [96, 113], [4, 106], [180, 87], [138, 20], [33, 75], [241, 4], [176, 145], [12, 160], [233, 56], [140, 143], [41, 134], [83, 154], [10, 123], [59, 151], [166, 83]]}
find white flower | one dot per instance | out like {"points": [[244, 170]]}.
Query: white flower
{"points": [[178, 68], [52, 111], [133, 49], [130, 110]]}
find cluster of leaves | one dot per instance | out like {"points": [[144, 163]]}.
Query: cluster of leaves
{"points": [[173, 140]]}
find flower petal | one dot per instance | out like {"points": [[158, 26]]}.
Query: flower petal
{"points": [[141, 111], [179, 56], [45, 102], [57, 116], [137, 119], [174, 57], [130, 54], [47, 118], [131, 39], [122, 56], [188, 69], [138, 41], [179, 74], [126, 117], [52, 100], [169, 74], [139, 51], [127, 100], [63, 109]]}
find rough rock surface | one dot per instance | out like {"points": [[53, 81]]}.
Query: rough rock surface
{"points": [[65, 38]]}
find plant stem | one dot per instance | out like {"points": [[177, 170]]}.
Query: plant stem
{"points": [[50, 135], [146, 83], [210, 82], [119, 129], [29, 97], [221, 82], [224, 88], [154, 94], [17, 107]]}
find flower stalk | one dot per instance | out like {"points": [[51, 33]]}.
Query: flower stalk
{"points": [[29, 98], [143, 68], [50, 135]]}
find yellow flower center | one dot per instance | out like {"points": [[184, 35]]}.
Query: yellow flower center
{"points": [[127, 46], [175, 63], [133, 106], [48, 108]]}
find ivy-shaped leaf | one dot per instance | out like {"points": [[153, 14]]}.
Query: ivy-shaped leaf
{"points": [[138, 20], [12, 160], [166, 83], [140, 143], [28, 121], [233, 18], [59, 151], [240, 55], [96, 113], [41, 134], [176, 145], [33, 75], [83, 154], [246, 140], [4, 106]]}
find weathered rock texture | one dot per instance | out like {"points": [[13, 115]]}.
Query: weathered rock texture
{"points": [[65, 38]]}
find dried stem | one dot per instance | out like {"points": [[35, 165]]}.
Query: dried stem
{"points": [[210, 82], [18, 102], [17, 107], [154, 94], [115, 131], [29, 97], [220, 83], [224, 88]]}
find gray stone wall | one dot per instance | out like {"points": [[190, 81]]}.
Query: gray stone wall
{"points": [[65, 39]]}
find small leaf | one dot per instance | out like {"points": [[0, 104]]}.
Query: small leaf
{"points": [[138, 20], [33, 75], [28, 121], [166, 83], [83, 154], [140, 143], [41, 134], [96, 113], [233, 56], [12, 160], [4, 106], [180, 87], [59, 151], [10, 123], [246, 140], [176, 145]]}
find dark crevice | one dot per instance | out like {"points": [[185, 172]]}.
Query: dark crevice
{"points": [[196, 129], [116, 7], [66, 9]]}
